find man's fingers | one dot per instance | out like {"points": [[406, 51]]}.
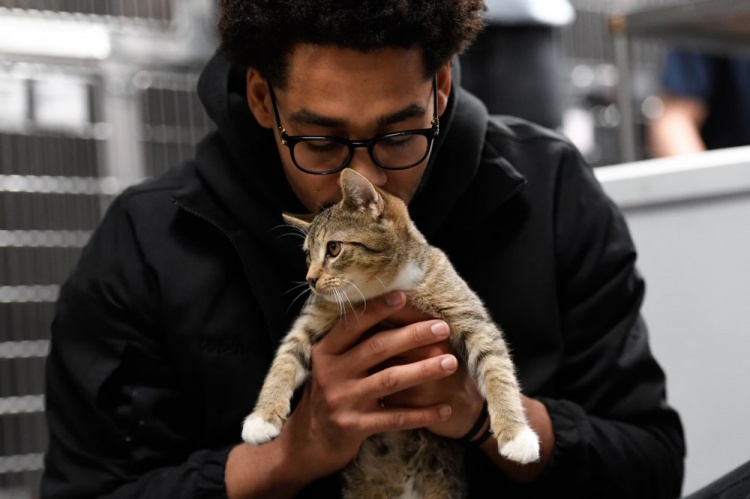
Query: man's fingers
{"points": [[388, 345], [397, 378], [403, 418], [348, 330]]}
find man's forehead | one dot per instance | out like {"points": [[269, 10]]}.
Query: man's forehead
{"points": [[331, 69]]}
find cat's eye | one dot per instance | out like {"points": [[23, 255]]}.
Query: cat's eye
{"points": [[334, 248]]}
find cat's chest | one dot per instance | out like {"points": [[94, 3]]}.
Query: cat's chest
{"points": [[406, 465]]}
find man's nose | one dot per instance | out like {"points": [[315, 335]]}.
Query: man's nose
{"points": [[363, 164]]}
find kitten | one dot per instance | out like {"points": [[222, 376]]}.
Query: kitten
{"points": [[358, 249]]}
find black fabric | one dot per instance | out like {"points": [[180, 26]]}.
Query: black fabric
{"points": [[167, 325]]}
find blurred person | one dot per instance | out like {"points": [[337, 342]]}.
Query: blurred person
{"points": [[706, 104], [167, 325], [514, 66]]}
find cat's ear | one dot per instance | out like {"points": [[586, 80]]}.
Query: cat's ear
{"points": [[359, 194], [301, 222]]}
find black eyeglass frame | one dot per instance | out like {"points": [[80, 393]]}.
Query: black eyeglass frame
{"points": [[292, 140]]}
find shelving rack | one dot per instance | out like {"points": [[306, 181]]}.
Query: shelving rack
{"points": [[717, 26], [127, 71]]}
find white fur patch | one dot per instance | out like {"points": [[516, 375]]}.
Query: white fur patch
{"points": [[256, 430], [524, 448], [409, 492], [409, 278]]}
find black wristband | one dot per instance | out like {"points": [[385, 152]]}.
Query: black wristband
{"points": [[481, 420], [485, 436]]}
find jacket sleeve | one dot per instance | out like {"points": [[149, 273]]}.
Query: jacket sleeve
{"points": [[616, 437], [119, 423]]}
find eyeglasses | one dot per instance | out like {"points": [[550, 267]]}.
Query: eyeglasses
{"points": [[324, 155]]}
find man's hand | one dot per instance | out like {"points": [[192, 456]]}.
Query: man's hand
{"points": [[341, 407], [461, 393], [459, 390], [341, 404]]}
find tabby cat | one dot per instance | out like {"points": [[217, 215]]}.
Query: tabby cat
{"points": [[358, 249]]}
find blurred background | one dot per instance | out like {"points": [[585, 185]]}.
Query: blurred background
{"points": [[98, 94]]}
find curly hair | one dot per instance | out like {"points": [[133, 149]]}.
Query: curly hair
{"points": [[262, 33]]}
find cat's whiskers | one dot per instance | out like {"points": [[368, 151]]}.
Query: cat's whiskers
{"points": [[340, 301], [350, 302], [292, 234], [296, 231], [385, 290], [364, 300], [298, 296], [297, 285]]}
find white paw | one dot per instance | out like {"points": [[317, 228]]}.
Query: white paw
{"points": [[256, 430], [524, 448]]}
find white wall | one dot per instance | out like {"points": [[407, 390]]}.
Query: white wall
{"points": [[690, 218]]}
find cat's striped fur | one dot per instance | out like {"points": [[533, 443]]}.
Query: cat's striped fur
{"points": [[376, 248]]}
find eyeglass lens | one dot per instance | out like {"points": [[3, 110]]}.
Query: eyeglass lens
{"points": [[397, 151]]}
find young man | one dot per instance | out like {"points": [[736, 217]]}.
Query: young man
{"points": [[168, 324]]}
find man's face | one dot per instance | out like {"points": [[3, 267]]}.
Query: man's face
{"points": [[354, 95]]}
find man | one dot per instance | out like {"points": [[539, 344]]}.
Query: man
{"points": [[169, 322], [706, 104]]}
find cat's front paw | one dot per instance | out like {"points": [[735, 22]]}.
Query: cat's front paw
{"points": [[256, 430], [523, 449]]}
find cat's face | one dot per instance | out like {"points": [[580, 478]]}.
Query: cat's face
{"points": [[357, 249]]}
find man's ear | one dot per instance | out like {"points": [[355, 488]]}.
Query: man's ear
{"points": [[259, 99], [301, 222], [444, 84]]}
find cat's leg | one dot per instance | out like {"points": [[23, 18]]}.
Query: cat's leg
{"points": [[489, 362], [289, 369]]}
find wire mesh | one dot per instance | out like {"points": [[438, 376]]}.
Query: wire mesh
{"points": [[592, 77], [160, 10], [56, 179], [173, 118], [49, 187]]}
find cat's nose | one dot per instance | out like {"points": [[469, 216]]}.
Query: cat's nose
{"points": [[313, 281]]}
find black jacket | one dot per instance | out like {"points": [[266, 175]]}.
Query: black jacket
{"points": [[167, 325]]}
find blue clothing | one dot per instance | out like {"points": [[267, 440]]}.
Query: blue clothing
{"points": [[723, 84]]}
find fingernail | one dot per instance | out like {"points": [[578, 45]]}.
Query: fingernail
{"points": [[394, 298], [445, 411], [440, 329], [448, 363]]}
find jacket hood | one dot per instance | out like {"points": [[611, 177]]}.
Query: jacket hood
{"points": [[241, 157]]}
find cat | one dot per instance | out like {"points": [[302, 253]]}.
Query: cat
{"points": [[377, 248]]}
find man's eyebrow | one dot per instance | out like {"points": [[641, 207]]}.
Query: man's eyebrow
{"points": [[413, 110], [307, 117]]}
